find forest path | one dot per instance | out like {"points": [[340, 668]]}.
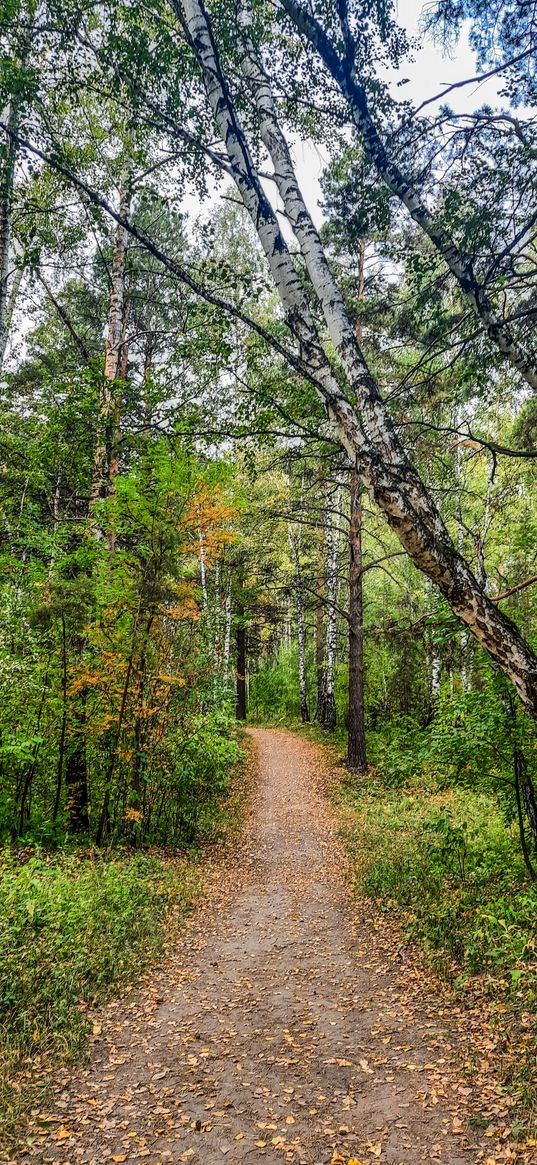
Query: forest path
{"points": [[274, 1032]]}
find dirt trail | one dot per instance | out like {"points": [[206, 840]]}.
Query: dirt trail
{"points": [[267, 1036]]}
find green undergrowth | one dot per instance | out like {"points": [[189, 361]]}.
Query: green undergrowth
{"points": [[76, 928], [447, 862]]}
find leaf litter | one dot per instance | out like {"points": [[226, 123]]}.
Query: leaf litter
{"points": [[282, 1027]]}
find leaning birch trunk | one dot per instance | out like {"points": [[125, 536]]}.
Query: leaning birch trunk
{"points": [[459, 263], [356, 742], [105, 458], [332, 586], [384, 468], [295, 542]]}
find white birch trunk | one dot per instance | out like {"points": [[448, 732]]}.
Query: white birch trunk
{"points": [[332, 587], [436, 674], [435, 662], [459, 263], [227, 630], [463, 637], [203, 573], [395, 487], [295, 542], [7, 182]]}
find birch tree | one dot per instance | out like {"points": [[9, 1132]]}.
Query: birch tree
{"points": [[295, 542], [371, 438], [356, 744]]}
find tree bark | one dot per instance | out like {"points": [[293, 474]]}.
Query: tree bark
{"points": [[8, 159], [76, 774], [458, 262], [105, 466], [356, 746], [241, 702], [295, 541], [384, 467], [332, 585], [227, 629], [320, 640]]}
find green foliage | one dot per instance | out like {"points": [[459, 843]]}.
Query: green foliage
{"points": [[74, 929], [448, 862], [202, 769], [274, 693]]}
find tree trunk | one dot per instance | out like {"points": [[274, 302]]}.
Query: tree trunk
{"points": [[63, 729], [105, 466], [295, 541], [76, 776], [320, 640], [8, 160], [241, 650], [356, 749], [369, 439], [329, 717], [203, 572], [227, 629]]}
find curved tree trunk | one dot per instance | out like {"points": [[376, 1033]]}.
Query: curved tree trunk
{"points": [[384, 467]]}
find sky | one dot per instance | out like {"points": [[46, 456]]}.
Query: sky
{"points": [[431, 71]]}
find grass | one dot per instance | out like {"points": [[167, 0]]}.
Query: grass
{"points": [[77, 929], [448, 864], [74, 930]]}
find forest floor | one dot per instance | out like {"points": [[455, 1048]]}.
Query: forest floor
{"points": [[283, 1027]]}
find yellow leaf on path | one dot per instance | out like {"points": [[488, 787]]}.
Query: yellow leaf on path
{"points": [[97, 1029], [260, 1144], [290, 1120], [62, 1133], [354, 1161], [119, 1157], [375, 1149]]}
